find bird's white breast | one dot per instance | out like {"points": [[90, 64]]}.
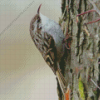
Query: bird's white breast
{"points": [[51, 27]]}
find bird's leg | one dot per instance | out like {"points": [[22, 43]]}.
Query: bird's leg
{"points": [[67, 43], [95, 9], [67, 35]]}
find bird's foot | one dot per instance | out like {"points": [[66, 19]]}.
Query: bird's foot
{"points": [[67, 41]]}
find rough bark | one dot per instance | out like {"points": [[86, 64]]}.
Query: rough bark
{"points": [[82, 70]]}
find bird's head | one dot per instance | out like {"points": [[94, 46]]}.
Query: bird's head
{"points": [[36, 20]]}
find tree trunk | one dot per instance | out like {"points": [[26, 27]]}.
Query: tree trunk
{"points": [[82, 69]]}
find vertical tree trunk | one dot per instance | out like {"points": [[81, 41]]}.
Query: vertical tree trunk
{"points": [[82, 70]]}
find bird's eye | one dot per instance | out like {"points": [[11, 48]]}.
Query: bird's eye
{"points": [[38, 20]]}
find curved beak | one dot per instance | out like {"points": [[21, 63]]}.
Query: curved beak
{"points": [[39, 9]]}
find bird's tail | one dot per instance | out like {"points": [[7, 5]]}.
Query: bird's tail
{"points": [[61, 80], [63, 84]]}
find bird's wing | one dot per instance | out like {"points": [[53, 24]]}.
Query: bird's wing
{"points": [[46, 45], [50, 51]]}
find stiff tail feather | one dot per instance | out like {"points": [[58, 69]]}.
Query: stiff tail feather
{"points": [[63, 85]]}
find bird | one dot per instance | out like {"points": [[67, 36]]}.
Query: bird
{"points": [[49, 40]]}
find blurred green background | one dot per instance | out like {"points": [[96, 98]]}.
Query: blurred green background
{"points": [[24, 75]]}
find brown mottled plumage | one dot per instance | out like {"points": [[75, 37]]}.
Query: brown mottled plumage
{"points": [[48, 38]]}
